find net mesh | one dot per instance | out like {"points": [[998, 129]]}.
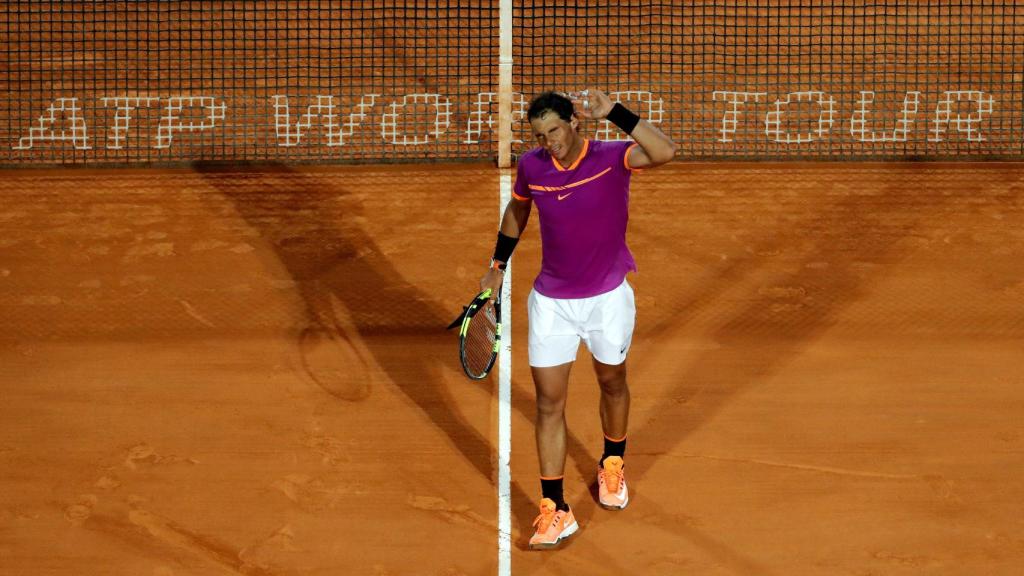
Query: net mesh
{"points": [[771, 78], [173, 81], [167, 81]]}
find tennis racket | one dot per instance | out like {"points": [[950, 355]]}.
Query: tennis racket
{"points": [[479, 334]]}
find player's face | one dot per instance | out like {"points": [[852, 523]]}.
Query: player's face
{"points": [[557, 136]]}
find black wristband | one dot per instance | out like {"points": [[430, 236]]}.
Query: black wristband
{"points": [[503, 249], [623, 118]]}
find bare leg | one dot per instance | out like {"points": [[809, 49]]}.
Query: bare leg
{"points": [[614, 398], [552, 384]]}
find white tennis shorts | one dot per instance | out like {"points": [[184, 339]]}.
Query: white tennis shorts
{"points": [[604, 323]]}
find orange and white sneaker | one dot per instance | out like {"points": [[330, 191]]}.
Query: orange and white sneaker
{"points": [[552, 526], [612, 493]]}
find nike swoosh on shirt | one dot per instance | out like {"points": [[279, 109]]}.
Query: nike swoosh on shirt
{"points": [[537, 188]]}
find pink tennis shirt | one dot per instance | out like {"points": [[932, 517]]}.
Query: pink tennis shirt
{"points": [[583, 211]]}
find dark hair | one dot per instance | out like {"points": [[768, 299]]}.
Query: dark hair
{"points": [[550, 101]]}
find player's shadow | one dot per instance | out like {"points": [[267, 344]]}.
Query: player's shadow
{"points": [[351, 292], [843, 242]]}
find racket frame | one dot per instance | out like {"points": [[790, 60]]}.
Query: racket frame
{"points": [[474, 307]]}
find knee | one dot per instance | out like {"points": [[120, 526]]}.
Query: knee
{"points": [[550, 406], [613, 384]]}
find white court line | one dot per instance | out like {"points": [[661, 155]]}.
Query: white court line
{"points": [[505, 63], [505, 405]]}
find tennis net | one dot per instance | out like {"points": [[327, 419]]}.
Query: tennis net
{"points": [[163, 81]]}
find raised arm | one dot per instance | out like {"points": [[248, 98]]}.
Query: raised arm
{"points": [[655, 147]]}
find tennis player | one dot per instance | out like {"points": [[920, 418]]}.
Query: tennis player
{"points": [[581, 189]]}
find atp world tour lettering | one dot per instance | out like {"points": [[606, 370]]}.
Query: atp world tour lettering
{"points": [[860, 129], [482, 117], [64, 121], [294, 122]]}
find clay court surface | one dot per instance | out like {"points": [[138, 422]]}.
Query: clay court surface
{"points": [[213, 370]]}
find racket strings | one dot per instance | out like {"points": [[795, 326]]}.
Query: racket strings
{"points": [[479, 344]]}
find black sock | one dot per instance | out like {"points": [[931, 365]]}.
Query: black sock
{"points": [[613, 448], [552, 488]]}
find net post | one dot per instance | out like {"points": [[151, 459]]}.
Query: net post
{"points": [[505, 85]]}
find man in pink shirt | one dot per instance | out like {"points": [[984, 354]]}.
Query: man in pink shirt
{"points": [[581, 189]]}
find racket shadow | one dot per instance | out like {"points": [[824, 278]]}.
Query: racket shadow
{"points": [[347, 287]]}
